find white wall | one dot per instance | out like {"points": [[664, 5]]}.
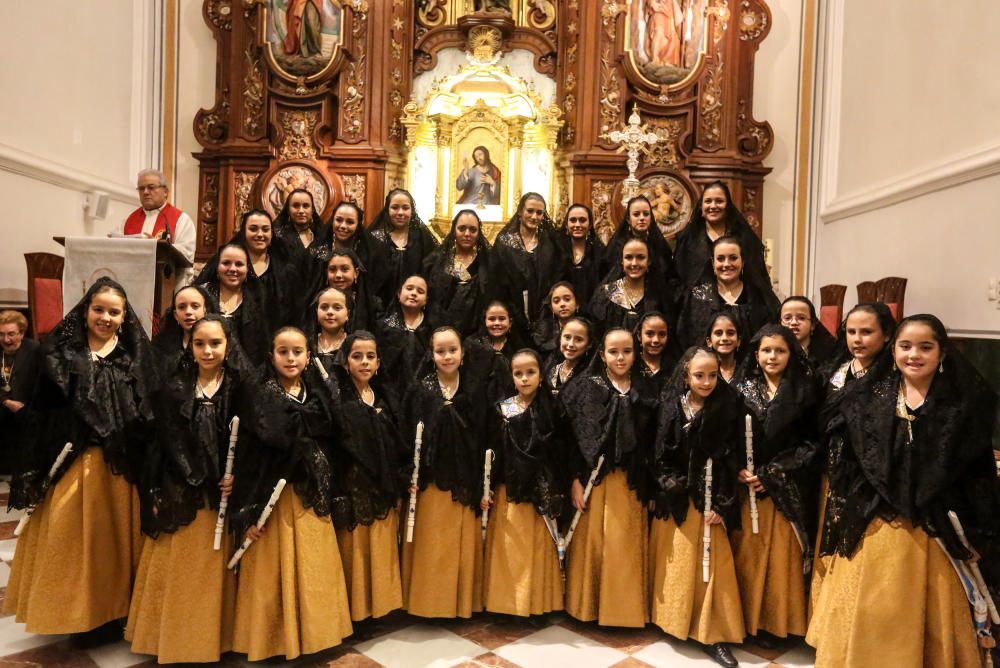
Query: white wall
{"points": [[907, 170], [195, 90], [77, 115], [776, 99]]}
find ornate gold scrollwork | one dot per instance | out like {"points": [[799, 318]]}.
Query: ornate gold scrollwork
{"points": [[354, 188], [611, 105], [253, 93], [297, 132], [663, 153], [211, 126], [354, 80], [711, 105], [600, 200], [244, 186]]}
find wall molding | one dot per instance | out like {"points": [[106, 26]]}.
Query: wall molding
{"points": [[962, 168], [42, 169], [974, 334], [950, 171]]}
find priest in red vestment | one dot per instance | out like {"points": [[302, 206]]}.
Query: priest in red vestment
{"points": [[158, 219]]}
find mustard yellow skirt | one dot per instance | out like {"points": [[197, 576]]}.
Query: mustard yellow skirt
{"points": [[522, 567], [185, 597], [769, 571], [443, 566], [370, 555], [820, 564], [75, 561], [607, 565], [291, 598], [896, 602], [683, 604]]}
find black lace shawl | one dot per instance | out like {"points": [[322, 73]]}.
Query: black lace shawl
{"points": [[531, 450], [494, 363], [755, 307], [459, 300], [661, 258], [374, 258], [606, 422], [514, 270], [550, 370], [785, 440], [106, 403], [168, 344], [403, 262], [657, 381], [842, 354], [453, 445], [375, 464], [400, 349], [284, 227], [251, 322], [365, 307], [303, 456], [822, 348], [286, 280], [683, 447], [186, 459], [609, 309], [693, 257], [586, 274], [947, 466]]}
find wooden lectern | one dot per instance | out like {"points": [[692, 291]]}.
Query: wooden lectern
{"points": [[169, 261]]}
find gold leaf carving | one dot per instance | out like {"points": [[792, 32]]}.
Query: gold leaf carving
{"points": [[244, 186], [212, 125], [600, 199], [209, 204], [354, 188], [354, 82], [541, 14], [253, 94], [711, 106], [297, 135], [663, 153], [431, 13], [220, 13], [752, 24], [611, 105]]}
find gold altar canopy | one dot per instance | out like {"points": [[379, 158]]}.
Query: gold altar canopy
{"points": [[480, 138]]}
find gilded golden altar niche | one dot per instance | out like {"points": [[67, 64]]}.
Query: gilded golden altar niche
{"points": [[479, 140]]}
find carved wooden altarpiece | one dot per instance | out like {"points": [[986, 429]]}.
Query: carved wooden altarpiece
{"points": [[325, 101]]}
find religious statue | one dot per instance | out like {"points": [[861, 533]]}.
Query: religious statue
{"points": [[480, 182]]}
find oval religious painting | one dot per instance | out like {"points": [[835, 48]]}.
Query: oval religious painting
{"points": [[666, 37], [303, 35], [671, 202], [294, 177]]}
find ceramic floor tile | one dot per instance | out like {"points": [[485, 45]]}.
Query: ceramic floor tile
{"points": [[117, 655], [420, 646], [675, 653], [7, 550], [558, 646], [802, 656], [10, 515], [492, 631], [629, 641], [4, 574], [56, 655], [13, 637], [7, 530], [489, 660], [632, 662]]}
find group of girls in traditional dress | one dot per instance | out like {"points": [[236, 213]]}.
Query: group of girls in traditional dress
{"points": [[626, 433]]}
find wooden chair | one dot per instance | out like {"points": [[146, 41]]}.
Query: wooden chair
{"points": [[831, 306], [45, 302], [867, 292], [891, 290]]}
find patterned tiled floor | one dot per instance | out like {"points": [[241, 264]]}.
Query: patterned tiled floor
{"points": [[401, 641]]}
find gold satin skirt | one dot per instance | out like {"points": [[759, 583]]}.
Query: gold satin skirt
{"points": [[75, 561], [820, 564], [896, 602], [769, 572], [607, 566], [683, 604], [185, 598], [522, 567], [443, 566], [291, 598], [370, 555]]}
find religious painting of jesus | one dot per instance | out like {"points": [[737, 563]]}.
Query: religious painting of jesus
{"points": [[303, 35], [478, 181]]}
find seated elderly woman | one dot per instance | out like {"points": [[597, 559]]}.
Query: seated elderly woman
{"points": [[18, 372]]}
